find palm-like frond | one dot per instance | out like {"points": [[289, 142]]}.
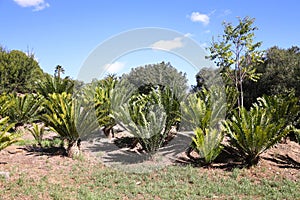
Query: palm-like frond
{"points": [[204, 109], [7, 138], [50, 85], [70, 118], [23, 108], [208, 143], [252, 132], [37, 132]]}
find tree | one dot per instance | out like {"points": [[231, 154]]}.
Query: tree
{"points": [[59, 70], [236, 54], [280, 74], [18, 71], [163, 74]]}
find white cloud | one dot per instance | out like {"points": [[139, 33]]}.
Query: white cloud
{"points": [[37, 4], [114, 67], [198, 17], [188, 35], [168, 44]]}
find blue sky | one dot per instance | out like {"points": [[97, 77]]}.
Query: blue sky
{"points": [[65, 32]]}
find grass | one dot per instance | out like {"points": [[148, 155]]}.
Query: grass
{"points": [[175, 182]]}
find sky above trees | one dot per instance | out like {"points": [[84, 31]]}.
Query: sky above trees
{"points": [[66, 32]]}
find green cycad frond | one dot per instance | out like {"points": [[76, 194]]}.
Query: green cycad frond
{"points": [[50, 85], [254, 131], [23, 108], [70, 118], [205, 109], [208, 143], [144, 116], [3, 104], [7, 138], [37, 132], [286, 107]]}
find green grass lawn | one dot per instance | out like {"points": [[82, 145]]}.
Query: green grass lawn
{"points": [[174, 182]]}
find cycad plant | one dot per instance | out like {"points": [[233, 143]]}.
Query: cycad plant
{"points": [[50, 85], [70, 118], [102, 100], [38, 133], [23, 109], [203, 113], [3, 104], [253, 132], [208, 143], [283, 107], [7, 138], [148, 117]]}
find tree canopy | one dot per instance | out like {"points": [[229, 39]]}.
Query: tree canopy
{"points": [[163, 74], [18, 71], [280, 74]]}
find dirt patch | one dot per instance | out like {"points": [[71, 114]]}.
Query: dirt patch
{"points": [[283, 160]]}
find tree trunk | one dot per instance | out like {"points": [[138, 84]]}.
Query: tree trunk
{"points": [[73, 148]]}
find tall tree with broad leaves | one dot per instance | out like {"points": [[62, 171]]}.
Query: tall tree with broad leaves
{"points": [[280, 74], [236, 54]]}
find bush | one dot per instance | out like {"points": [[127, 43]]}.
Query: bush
{"points": [[7, 138], [50, 85], [23, 109], [148, 117], [70, 118], [208, 144], [144, 116], [203, 112], [253, 132], [38, 133]]}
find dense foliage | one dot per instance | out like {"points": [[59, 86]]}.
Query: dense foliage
{"points": [[163, 74], [18, 71], [70, 118]]}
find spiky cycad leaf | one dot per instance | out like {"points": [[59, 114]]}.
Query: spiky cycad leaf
{"points": [[70, 118], [23, 108], [204, 109], [37, 132], [50, 85], [252, 132], [208, 143], [7, 138]]}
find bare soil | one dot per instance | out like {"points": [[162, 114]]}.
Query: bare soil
{"points": [[283, 160]]}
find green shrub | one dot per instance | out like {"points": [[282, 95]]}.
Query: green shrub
{"points": [[283, 107], [103, 103], [144, 116], [70, 118], [203, 112], [23, 109], [50, 85], [208, 143], [7, 138], [37, 132], [253, 132]]}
